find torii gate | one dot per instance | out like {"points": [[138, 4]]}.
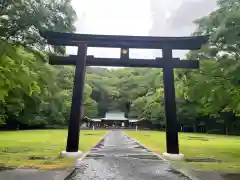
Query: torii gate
{"points": [[167, 62]]}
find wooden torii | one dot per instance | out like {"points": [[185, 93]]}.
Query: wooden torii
{"points": [[167, 62]]}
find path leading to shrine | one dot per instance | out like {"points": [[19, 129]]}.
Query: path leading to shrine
{"points": [[119, 157]]}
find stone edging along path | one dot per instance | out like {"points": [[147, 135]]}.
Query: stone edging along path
{"points": [[183, 171], [68, 172]]}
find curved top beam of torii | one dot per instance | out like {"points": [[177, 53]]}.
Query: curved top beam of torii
{"points": [[148, 42]]}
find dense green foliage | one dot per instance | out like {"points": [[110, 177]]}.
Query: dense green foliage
{"points": [[21, 20], [35, 94], [30, 89]]}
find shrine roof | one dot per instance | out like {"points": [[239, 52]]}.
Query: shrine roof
{"points": [[115, 116]]}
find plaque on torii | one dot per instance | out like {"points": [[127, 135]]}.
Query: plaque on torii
{"points": [[167, 62]]}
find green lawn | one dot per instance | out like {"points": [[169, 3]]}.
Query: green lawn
{"points": [[41, 148], [220, 147]]}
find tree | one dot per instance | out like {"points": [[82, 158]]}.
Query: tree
{"points": [[21, 20], [29, 92], [220, 76]]}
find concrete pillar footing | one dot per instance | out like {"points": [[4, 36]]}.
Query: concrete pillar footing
{"points": [[71, 154], [174, 157]]}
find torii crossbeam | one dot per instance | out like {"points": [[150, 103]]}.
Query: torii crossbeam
{"points": [[167, 62]]}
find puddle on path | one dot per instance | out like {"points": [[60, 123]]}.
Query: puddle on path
{"points": [[95, 155], [136, 156], [147, 157]]}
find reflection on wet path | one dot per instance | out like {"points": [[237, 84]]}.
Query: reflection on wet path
{"points": [[118, 157]]}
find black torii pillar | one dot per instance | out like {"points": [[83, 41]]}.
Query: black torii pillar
{"points": [[168, 63], [170, 104], [76, 114]]}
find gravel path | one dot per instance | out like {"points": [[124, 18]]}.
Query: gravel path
{"points": [[118, 157]]}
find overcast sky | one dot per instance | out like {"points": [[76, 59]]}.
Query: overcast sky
{"points": [[137, 17]]}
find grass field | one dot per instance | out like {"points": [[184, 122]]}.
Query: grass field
{"points": [[197, 146], [41, 148]]}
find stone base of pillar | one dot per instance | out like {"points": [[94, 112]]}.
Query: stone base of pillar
{"points": [[174, 157], [71, 154]]}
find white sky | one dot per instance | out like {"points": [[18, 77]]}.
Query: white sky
{"points": [[132, 17], [113, 17]]}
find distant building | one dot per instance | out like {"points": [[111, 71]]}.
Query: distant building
{"points": [[115, 119]]}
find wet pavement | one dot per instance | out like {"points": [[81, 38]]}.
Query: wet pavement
{"points": [[118, 157]]}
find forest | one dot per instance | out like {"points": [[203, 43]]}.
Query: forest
{"points": [[34, 94]]}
